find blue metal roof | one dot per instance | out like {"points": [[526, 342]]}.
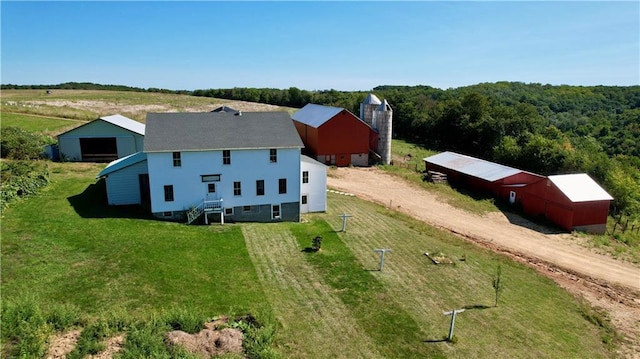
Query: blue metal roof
{"points": [[123, 162], [488, 171]]}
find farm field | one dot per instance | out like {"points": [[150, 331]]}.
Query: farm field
{"points": [[64, 247], [39, 124], [88, 105]]}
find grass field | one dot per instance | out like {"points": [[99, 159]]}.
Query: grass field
{"points": [[64, 247], [88, 105], [46, 125]]}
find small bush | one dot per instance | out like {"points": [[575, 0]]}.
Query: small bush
{"points": [[24, 326], [18, 144], [21, 179]]}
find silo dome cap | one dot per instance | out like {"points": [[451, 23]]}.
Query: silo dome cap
{"points": [[371, 99]]}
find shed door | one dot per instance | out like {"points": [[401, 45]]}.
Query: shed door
{"points": [[99, 149], [145, 192]]}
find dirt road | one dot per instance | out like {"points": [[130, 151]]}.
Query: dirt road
{"points": [[607, 283]]}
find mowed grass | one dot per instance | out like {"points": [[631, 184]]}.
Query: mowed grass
{"points": [[65, 247], [38, 124]]}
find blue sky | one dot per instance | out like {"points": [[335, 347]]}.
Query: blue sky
{"points": [[320, 45]]}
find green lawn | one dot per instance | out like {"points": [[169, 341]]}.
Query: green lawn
{"points": [[37, 124], [65, 248]]}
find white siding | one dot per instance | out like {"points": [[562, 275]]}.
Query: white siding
{"points": [[127, 141], [247, 166], [316, 189], [123, 187]]}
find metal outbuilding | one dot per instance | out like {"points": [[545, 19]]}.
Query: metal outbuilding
{"points": [[502, 181], [104, 139], [573, 202]]}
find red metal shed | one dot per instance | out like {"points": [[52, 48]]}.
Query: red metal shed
{"points": [[502, 181], [573, 202], [334, 135]]}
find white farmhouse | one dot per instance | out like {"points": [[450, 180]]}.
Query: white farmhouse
{"points": [[240, 167]]}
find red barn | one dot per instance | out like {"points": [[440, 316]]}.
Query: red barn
{"points": [[573, 202], [501, 181], [335, 136]]}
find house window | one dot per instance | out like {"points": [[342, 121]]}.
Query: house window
{"points": [[226, 157], [275, 211], [210, 178], [211, 187], [177, 161], [167, 214], [260, 188], [273, 155], [304, 199], [282, 185], [305, 176], [246, 209], [237, 189], [228, 211], [168, 193]]}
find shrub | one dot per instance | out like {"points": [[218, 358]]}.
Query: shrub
{"points": [[25, 327], [21, 178], [18, 144]]}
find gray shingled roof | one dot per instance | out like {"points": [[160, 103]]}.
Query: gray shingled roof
{"points": [[219, 130]]}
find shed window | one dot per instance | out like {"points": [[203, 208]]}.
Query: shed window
{"points": [[305, 176], [304, 199], [177, 160], [168, 193], [273, 155]]}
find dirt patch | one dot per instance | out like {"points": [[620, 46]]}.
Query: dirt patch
{"points": [[114, 345], [62, 344], [603, 281], [209, 342]]}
